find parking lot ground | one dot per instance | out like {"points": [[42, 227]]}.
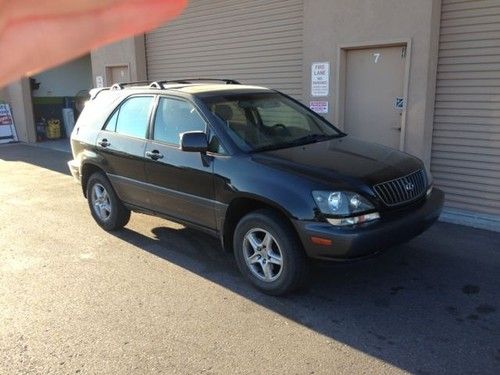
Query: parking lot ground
{"points": [[160, 298]]}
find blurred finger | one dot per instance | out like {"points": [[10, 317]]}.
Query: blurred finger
{"points": [[38, 35]]}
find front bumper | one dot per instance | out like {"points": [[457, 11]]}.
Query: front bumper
{"points": [[363, 240], [74, 168]]}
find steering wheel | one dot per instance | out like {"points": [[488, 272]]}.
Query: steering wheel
{"points": [[279, 128]]}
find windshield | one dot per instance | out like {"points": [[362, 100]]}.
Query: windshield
{"points": [[266, 121]]}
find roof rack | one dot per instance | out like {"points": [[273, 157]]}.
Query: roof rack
{"points": [[121, 85], [159, 84], [95, 91]]}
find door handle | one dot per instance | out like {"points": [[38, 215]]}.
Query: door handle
{"points": [[155, 154], [104, 143], [396, 128]]}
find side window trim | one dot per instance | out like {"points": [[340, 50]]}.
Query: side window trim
{"points": [[152, 117], [110, 117]]}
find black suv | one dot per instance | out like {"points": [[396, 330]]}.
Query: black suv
{"points": [[273, 180]]}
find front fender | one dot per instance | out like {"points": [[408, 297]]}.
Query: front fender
{"points": [[243, 178]]}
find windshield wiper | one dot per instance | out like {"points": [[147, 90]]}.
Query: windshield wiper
{"points": [[311, 138]]}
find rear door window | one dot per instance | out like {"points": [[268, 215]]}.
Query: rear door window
{"points": [[132, 118]]}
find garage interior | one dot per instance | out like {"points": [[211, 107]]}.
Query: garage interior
{"points": [[58, 96]]}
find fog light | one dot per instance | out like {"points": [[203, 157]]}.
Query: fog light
{"points": [[429, 191], [354, 219]]}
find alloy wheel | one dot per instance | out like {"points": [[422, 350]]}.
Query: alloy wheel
{"points": [[262, 254], [101, 202]]}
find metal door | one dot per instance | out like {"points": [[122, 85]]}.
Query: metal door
{"points": [[116, 74], [374, 94]]}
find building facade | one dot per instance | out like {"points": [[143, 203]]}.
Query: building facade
{"points": [[422, 76]]}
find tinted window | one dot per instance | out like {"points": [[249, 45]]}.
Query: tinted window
{"points": [[174, 117], [282, 114], [133, 116], [261, 121]]}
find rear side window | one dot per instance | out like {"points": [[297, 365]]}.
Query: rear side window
{"points": [[174, 117], [111, 124], [97, 110], [132, 117]]}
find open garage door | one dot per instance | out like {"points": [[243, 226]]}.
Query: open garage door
{"points": [[254, 41]]}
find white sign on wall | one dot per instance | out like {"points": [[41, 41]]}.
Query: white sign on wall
{"points": [[399, 102], [319, 106], [7, 128], [320, 78], [99, 81]]}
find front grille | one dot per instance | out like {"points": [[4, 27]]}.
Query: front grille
{"points": [[402, 190]]}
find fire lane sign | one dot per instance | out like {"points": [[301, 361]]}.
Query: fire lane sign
{"points": [[320, 78]]}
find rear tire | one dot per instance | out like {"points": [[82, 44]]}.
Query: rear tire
{"points": [[269, 253], [105, 206]]}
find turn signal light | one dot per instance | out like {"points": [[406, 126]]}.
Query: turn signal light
{"points": [[321, 241]]}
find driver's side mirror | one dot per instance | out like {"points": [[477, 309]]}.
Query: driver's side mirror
{"points": [[194, 141]]}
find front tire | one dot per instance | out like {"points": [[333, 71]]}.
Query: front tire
{"points": [[106, 208], [269, 253]]}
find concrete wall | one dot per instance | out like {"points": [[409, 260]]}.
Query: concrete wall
{"points": [[65, 80], [18, 95], [129, 52], [329, 24]]}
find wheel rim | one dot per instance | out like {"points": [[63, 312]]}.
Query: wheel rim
{"points": [[262, 254], [101, 202]]}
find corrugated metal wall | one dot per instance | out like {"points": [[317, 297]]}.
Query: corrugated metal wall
{"points": [[253, 41], [466, 138]]}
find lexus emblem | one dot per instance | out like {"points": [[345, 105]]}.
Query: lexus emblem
{"points": [[409, 186]]}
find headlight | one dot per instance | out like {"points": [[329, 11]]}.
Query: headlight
{"points": [[341, 203]]}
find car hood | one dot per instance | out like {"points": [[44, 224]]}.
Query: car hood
{"points": [[345, 159]]}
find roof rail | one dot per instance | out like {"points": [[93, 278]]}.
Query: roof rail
{"points": [[159, 84], [95, 91], [121, 85]]}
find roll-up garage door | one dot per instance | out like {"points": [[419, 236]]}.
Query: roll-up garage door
{"points": [[466, 138], [253, 41]]}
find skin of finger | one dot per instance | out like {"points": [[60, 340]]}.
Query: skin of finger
{"points": [[29, 8], [37, 42]]}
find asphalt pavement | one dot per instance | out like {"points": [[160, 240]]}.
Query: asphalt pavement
{"points": [[157, 297]]}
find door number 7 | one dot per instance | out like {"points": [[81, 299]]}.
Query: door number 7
{"points": [[376, 56]]}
